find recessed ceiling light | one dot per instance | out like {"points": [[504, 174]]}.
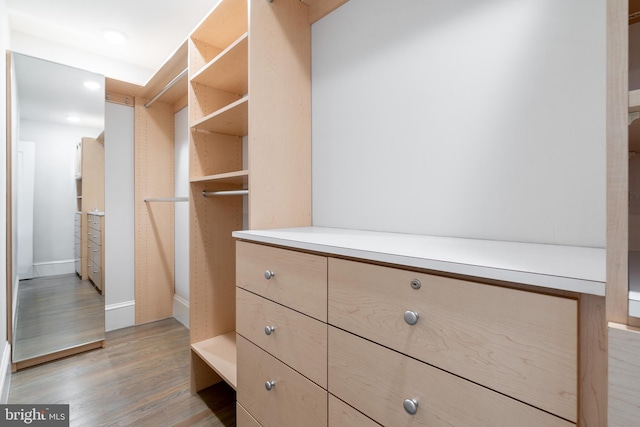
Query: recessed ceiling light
{"points": [[73, 119], [92, 85], [114, 36]]}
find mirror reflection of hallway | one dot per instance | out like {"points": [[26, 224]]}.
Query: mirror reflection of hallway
{"points": [[58, 310]]}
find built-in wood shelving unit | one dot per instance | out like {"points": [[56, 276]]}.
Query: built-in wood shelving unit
{"points": [[248, 59], [232, 119], [219, 353]]}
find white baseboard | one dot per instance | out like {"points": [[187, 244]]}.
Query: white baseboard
{"points": [[5, 373], [119, 315], [181, 310], [54, 268]]}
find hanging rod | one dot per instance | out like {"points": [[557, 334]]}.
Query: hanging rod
{"points": [[167, 87], [225, 193], [166, 199]]}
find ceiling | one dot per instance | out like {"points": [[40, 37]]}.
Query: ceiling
{"points": [[49, 92], [41, 101], [155, 28]]}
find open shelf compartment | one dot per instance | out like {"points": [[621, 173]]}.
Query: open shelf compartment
{"points": [[220, 354]]}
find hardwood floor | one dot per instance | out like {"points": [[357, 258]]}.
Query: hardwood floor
{"points": [[141, 378], [54, 314]]}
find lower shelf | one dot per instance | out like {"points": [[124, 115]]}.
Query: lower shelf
{"points": [[220, 354]]}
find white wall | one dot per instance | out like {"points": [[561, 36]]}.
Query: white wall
{"points": [[470, 119], [181, 224], [5, 349], [54, 193], [119, 217]]}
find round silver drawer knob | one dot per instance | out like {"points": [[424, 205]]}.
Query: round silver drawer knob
{"points": [[415, 284], [411, 406], [411, 317], [269, 385], [269, 274], [269, 329]]}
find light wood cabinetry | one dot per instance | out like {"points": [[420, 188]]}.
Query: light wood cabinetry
{"points": [[274, 394], [377, 381], [250, 131], [95, 250], [491, 335], [469, 352], [90, 195]]}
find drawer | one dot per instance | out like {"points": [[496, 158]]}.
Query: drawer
{"points": [[519, 343], [77, 248], [94, 221], [94, 254], [299, 280], [342, 415], [293, 400], [95, 274], [95, 236], [298, 340], [243, 418], [78, 266], [77, 232], [376, 381]]}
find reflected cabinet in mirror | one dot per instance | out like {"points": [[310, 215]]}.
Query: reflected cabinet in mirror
{"points": [[57, 210]]}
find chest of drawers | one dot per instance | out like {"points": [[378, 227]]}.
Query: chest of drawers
{"points": [[95, 251], [281, 311], [372, 344]]}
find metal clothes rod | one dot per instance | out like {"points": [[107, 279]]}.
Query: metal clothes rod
{"points": [[167, 87], [225, 193], [166, 199]]}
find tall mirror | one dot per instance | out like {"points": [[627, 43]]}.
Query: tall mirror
{"points": [[57, 198]]}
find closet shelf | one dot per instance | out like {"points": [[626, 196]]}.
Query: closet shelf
{"points": [[220, 354], [236, 178], [224, 24], [229, 71], [231, 120]]}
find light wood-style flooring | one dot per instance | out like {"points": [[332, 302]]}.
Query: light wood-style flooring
{"points": [[141, 378], [56, 313]]}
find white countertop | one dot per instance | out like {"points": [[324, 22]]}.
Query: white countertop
{"points": [[569, 268]]}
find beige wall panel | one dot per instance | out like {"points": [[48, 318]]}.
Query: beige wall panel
{"points": [[200, 53], [624, 376], [214, 153], [154, 222], [279, 87], [207, 100], [617, 160], [212, 263]]}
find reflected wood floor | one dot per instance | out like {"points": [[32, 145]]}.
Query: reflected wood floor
{"points": [[56, 313], [141, 378]]}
